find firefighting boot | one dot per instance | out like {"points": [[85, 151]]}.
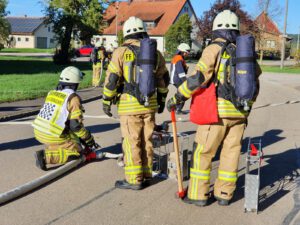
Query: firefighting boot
{"points": [[222, 202], [123, 184], [40, 160], [200, 203]]}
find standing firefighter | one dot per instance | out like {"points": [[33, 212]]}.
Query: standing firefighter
{"points": [[179, 69], [138, 74], [226, 115], [59, 123], [97, 58]]}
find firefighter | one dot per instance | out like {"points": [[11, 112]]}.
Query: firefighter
{"points": [[228, 131], [97, 58], [179, 69], [59, 124], [137, 118]]}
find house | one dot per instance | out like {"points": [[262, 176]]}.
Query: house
{"points": [[270, 38], [30, 32], [158, 16]]}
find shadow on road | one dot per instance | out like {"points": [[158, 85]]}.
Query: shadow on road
{"points": [[277, 177], [19, 144], [103, 127]]}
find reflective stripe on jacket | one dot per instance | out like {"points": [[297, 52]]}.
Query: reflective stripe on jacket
{"points": [[178, 70]]}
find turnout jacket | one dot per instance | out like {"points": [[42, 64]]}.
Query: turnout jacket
{"points": [[178, 70], [118, 73], [211, 64]]}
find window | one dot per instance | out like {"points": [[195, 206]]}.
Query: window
{"points": [[270, 44], [49, 29], [186, 9], [104, 41], [19, 39], [150, 24], [26, 39], [51, 40]]}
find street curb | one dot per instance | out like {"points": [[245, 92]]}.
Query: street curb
{"points": [[36, 111]]}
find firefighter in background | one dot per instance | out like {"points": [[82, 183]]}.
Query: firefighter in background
{"points": [[179, 69], [98, 57], [137, 120], [227, 132], [59, 124]]}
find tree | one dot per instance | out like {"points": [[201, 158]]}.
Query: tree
{"points": [[70, 18], [4, 25], [178, 33], [205, 23]]}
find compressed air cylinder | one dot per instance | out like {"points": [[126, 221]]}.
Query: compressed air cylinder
{"points": [[245, 81], [146, 63]]}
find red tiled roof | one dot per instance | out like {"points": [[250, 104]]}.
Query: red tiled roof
{"points": [[165, 11], [270, 26]]}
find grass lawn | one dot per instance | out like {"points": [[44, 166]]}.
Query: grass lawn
{"points": [[28, 50], [29, 78], [286, 69]]}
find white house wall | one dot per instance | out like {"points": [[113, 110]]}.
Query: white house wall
{"points": [[43, 31], [22, 41]]}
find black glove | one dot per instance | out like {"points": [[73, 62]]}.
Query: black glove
{"points": [[90, 141], [171, 105], [107, 107], [176, 100], [161, 101]]}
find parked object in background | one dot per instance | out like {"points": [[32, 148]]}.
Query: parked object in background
{"points": [[85, 50]]}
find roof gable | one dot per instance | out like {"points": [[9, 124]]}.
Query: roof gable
{"points": [[24, 25], [270, 26], [163, 12]]}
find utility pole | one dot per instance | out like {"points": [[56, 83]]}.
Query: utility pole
{"points": [[284, 35]]}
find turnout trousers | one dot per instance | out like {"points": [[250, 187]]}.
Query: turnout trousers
{"points": [[63, 152], [137, 146], [229, 134], [96, 74]]}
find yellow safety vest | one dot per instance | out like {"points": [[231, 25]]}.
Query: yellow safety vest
{"points": [[51, 120]]}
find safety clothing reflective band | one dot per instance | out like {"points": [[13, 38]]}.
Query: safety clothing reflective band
{"points": [[81, 133], [227, 176], [202, 66], [197, 154], [46, 138], [112, 68], [44, 126], [131, 104], [163, 90], [133, 172], [127, 151], [184, 90], [109, 93], [75, 114], [227, 109], [62, 154], [200, 174]]}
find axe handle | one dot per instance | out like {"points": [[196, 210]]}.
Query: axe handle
{"points": [[176, 148]]}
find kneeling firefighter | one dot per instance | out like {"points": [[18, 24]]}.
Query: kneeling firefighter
{"points": [[137, 74], [59, 124], [179, 69], [226, 68]]}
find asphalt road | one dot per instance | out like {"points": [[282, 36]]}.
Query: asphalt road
{"points": [[87, 194]]}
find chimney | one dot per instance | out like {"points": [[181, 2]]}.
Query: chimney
{"points": [[129, 1]]}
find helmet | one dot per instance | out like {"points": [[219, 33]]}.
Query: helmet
{"points": [[183, 47], [98, 44], [71, 74], [226, 20], [133, 25]]}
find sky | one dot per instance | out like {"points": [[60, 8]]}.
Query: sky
{"points": [[34, 8]]}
